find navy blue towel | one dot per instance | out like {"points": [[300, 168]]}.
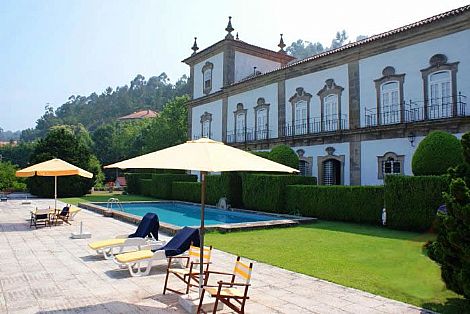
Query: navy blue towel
{"points": [[148, 225], [181, 241]]}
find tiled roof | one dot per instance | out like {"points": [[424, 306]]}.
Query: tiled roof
{"points": [[373, 38], [140, 115]]}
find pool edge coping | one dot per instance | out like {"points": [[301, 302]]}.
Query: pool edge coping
{"points": [[171, 229]]}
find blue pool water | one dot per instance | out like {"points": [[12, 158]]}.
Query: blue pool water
{"points": [[180, 214]]}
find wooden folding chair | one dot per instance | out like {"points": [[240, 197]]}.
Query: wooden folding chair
{"points": [[225, 292], [191, 269], [63, 215]]}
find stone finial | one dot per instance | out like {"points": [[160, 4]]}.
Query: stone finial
{"points": [[195, 47], [229, 29], [236, 37], [282, 45]]}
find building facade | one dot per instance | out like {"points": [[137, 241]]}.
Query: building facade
{"points": [[352, 114]]}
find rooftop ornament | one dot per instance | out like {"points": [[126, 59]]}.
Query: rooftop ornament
{"points": [[195, 48], [229, 29], [282, 45]]}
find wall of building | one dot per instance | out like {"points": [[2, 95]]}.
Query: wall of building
{"points": [[214, 108], [410, 61], [319, 150], [313, 83], [244, 64], [217, 75], [249, 100]]}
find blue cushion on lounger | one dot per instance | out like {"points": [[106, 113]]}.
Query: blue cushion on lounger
{"points": [[148, 225], [181, 241]]}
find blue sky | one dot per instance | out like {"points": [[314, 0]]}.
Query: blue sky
{"points": [[51, 49]]}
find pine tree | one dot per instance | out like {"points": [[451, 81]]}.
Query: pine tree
{"points": [[452, 247]]}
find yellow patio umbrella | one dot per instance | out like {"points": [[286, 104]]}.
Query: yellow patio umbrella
{"points": [[204, 155], [53, 168]]}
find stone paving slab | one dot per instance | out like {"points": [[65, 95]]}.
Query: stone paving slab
{"points": [[45, 271]]}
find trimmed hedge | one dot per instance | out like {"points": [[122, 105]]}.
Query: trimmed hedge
{"points": [[267, 192], [228, 184], [362, 204], [146, 187], [133, 182], [412, 202], [186, 191], [162, 183]]}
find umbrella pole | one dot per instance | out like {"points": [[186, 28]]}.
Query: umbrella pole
{"points": [[55, 193], [201, 230]]}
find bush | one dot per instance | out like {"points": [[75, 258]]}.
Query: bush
{"points": [[133, 182], [162, 183], [452, 247], [283, 154], [411, 202], [8, 179], [362, 204], [436, 153], [186, 191], [267, 192], [261, 154]]}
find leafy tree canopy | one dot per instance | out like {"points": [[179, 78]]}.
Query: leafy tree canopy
{"points": [[8, 180]]}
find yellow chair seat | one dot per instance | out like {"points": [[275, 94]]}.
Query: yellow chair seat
{"points": [[74, 209], [105, 243], [134, 256], [225, 292]]}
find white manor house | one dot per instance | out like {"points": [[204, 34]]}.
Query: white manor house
{"points": [[352, 114]]}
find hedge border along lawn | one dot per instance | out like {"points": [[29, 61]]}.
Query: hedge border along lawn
{"points": [[162, 183], [345, 203], [412, 202], [186, 191], [133, 182], [266, 192]]}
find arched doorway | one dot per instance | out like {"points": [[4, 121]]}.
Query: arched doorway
{"points": [[331, 172]]}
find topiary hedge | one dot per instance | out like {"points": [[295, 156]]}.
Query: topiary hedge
{"points": [[133, 182], [146, 187], [411, 202], [362, 204], [162, 183], [283, 154], [228, 184], [436, 153], [267, 192], [186, 191]]}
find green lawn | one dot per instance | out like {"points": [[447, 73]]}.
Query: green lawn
{"points": [[104, 196], [378, 260]]}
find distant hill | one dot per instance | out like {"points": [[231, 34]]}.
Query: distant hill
{"points": [[95, 110]]}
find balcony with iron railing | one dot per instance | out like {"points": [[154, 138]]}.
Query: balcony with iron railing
{"points": [[414, 111], [330, 123], [248, 135]]}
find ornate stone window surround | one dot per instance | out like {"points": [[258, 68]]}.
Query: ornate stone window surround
{"points": [[384, 158], [300, 95], [207, 77], [330, 88], [437, 63], [206, 117], [240, 111], [261, 105], [330, 155], [389, 75], [307, 160]]}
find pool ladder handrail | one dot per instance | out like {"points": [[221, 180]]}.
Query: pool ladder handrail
{"points": [[114, 200]]}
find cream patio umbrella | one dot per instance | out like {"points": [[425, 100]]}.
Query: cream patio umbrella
{"points": [[53, 168], [204, 155]]}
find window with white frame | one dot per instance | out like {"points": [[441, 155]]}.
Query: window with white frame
{"points": [[390, 102], [301, 117], [440, 97], [390, 163], [206, 120], [241, 127], [207, 77], [330, 116], [261, 123]]}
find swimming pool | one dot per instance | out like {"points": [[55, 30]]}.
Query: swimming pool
{"points": [[183, 214]]}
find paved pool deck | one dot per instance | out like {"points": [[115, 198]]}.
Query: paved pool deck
{"points": [[45, 271]]}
